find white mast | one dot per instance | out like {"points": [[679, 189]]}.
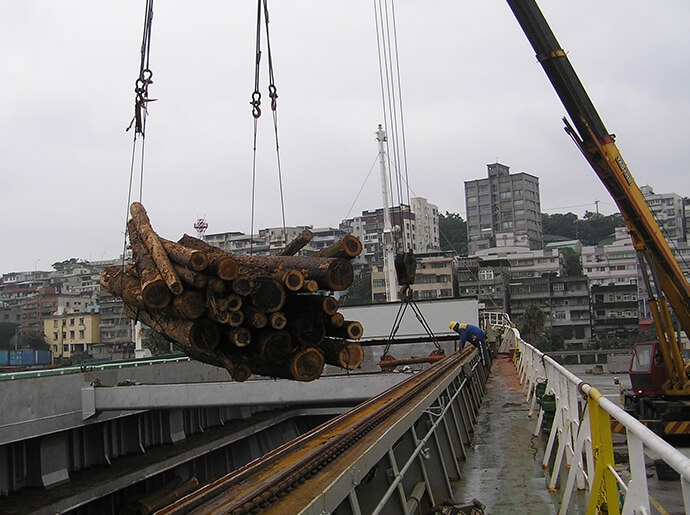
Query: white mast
{"points": [[388, 243]]}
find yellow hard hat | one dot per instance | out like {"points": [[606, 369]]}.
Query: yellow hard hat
{"points": [[452, 325]]}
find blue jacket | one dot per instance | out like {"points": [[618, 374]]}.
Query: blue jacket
{"points": [[471, 333]]}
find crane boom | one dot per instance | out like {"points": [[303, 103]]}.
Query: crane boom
{"points": [[599, 148]]}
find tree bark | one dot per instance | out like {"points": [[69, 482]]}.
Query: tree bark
{"points": [[349, 247], [297, 244], [192, 278], [329, 273], [195, 260], [220, 262], [350, 330], [155, 247], [154, 292], [195, 337]]}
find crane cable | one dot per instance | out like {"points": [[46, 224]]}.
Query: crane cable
{"points": [[141, 90], [262, 8], [391, 97]]}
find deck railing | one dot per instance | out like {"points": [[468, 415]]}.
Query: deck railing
{"points": [[580, 440]]}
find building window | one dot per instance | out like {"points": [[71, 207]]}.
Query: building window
{"points": [[81, 334], [55, 336], [55, 323], [486, 275]]}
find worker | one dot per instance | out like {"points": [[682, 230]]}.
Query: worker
{"points": [[475, 335]]}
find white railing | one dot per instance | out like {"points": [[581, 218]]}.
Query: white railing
{"points": [[581, 432]]}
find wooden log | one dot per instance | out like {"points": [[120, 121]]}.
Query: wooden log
{"points": [[239, 336], [222, 317], [342, 353], [220, 262], [242, 285], [349, 247], [277, 320], [123, 286], [310, 286], [254, 317], [189, 305], [325, 303], [293, 280], [236, 318], [268, 294], [155, 247], [192, 278], [237, 365], [154, 292], [329, 273], [307, 328], [337, 320], [306, 364], [297, 244], [273, 346], [195, 260], [234, 302], [350, 329], [195, 337], [216, 285]]}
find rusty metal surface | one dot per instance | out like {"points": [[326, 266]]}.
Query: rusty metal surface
{"points": [[276, 482]]}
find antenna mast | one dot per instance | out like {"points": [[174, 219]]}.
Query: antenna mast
{"points": [[388, 242]]}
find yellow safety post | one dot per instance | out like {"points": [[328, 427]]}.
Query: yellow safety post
{"points": [[604, 492]]}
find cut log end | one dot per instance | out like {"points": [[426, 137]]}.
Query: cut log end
{"points": [[306, 364], [156, 294], [204, 334], [293, 280]]}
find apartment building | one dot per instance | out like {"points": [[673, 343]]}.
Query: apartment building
{"points": [[564, 300], [72, 333], [502, 203], [615, 311], [669, 212]]}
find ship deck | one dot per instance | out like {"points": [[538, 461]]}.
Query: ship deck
{"points": [[503, 469]]}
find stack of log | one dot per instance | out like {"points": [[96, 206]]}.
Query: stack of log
{"points": [[266, 315]]}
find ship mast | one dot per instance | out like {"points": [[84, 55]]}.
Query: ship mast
{"points": [[388, 242]]}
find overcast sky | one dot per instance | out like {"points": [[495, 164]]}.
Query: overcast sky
{"points": [[473, 94]]}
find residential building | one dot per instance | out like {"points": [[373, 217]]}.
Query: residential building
{"points": [[615, 311], [434, 279], [484, 278], [369, 228], [564, 300], [425, 237], [273, 239], [503, 203], [72, 333], [669, 212]]}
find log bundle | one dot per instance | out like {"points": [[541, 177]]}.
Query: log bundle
{"points": [[265, 315]]}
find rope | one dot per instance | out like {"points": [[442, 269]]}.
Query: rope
{"points": [[256, 113], [391, 96], [141, 90]]}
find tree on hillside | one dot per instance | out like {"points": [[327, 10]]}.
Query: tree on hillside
{"points": [[359, 291], [7, 333], [595, 227], [35, 340], [560, 224], [453, 231], [572, 264], [531, 324]]}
